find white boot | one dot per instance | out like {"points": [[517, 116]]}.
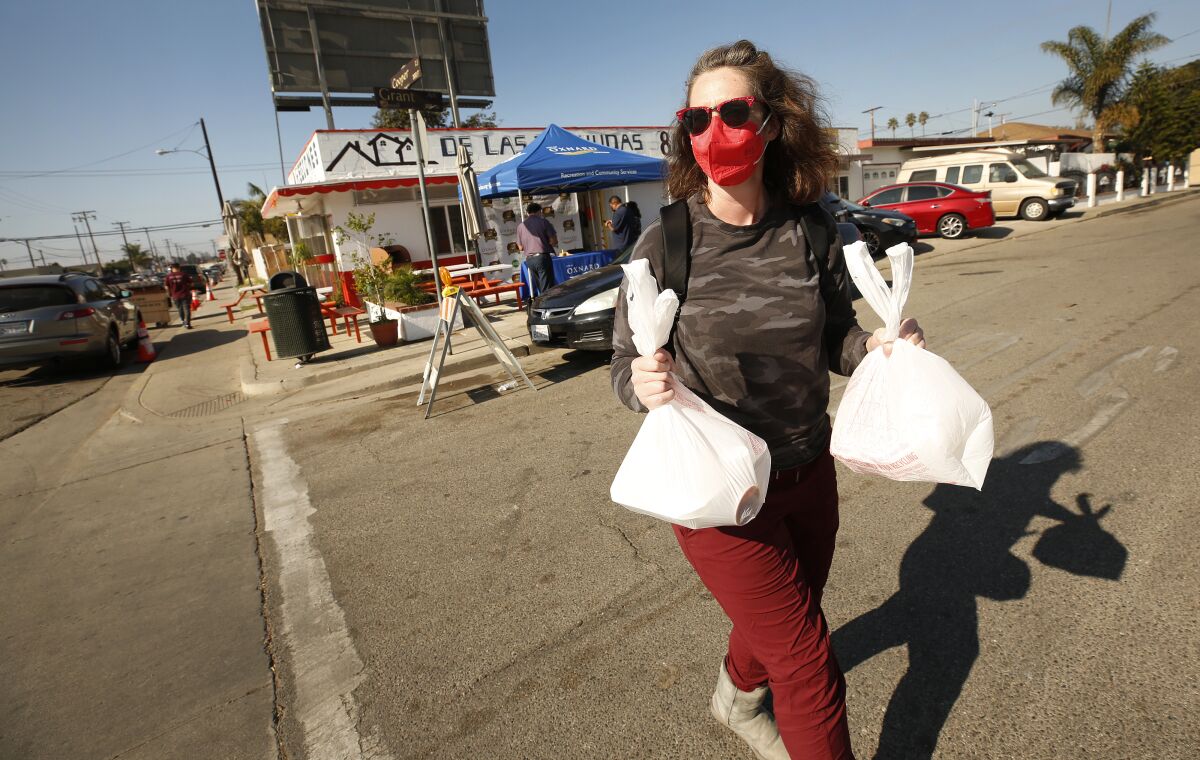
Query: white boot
{"points": [[741, 711]]}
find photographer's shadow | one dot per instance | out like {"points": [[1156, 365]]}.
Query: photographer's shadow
{"points": [[962, 554]]}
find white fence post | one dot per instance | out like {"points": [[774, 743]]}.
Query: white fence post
{"points": [[1120, 185], [1170, 176], [1091, 189]]}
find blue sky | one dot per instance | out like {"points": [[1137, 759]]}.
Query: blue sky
{"points": [[103, 84]]}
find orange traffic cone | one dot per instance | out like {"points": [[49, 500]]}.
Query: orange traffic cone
{"points": [[146, 352], [211, 297]]}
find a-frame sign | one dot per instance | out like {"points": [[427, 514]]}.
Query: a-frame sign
{"points": [[454, 299]]}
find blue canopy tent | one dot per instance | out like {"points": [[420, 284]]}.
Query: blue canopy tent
{"points": [[558, 161]]}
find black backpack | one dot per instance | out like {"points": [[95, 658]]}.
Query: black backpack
{"points": [[817, 224]]}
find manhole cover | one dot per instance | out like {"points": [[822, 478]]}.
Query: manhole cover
{"points": [[212, 406]]}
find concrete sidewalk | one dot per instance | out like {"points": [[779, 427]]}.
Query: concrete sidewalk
{"points": [[401, 364], [132, 622]]}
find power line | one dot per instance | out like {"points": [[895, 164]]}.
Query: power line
{"points": [[190, 127], [105, 233]]}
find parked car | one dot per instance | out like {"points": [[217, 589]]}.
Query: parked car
{"points": [[48, 318], [879, 228], [579, 313], [938, 208], [1018, 187]]}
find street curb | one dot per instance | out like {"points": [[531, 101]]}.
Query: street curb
{"points": [[251, 386]]}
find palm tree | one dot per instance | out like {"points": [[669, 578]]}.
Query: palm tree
{"points": [[1099, 73], [910, 120], [893, 125], [921, 119], [136, 256]]}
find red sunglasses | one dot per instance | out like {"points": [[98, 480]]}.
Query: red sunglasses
{"points": [[734, 112]]}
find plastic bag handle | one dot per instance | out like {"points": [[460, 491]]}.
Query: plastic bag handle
{"points": [[887, 302]]}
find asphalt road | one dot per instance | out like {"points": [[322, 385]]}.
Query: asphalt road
{"points": [[463, 587]]}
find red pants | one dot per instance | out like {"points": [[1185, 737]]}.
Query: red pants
{"points": [[768, 576]]}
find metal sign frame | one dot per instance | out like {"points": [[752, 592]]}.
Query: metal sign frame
{"points": [[446, 316]]}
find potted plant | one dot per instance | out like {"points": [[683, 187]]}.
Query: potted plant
{"points": [[371, 280], [417, 307]]}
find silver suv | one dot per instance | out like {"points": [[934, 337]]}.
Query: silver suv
{"points": [[48, 318]]}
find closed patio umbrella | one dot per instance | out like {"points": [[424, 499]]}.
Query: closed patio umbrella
{"points": [[472, 207]]}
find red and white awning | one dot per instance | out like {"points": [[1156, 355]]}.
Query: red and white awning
{"points": [[289, 199]]}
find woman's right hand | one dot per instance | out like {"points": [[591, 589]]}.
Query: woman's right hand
{"points": [[651, 383]]}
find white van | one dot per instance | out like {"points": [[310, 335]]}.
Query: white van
{"points": [[1018, 187]]}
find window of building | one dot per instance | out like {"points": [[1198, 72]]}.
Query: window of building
{"points": [[448, 235]]}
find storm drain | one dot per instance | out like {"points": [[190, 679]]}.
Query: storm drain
{"points": [[212, 406]]}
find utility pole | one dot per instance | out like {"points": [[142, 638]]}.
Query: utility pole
{"points": [[872, 112], [86, 217], [42, 256], [168, 242], [212, 165], [150, 246], [32, 263], [123, 225], [79, 239]]}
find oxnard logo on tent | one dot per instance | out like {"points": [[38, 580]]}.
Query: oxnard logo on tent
{"points": [[574, 151]]}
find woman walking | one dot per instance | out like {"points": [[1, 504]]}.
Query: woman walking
{"points": [[765, 318]]}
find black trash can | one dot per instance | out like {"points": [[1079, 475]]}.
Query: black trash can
{"points": [[286, 279], [297, 325]]}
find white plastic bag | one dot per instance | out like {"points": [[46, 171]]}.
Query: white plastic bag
{"points": [[688, 464], [909, 416]]}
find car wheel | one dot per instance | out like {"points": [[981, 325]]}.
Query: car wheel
{"points": [[1035, 210], [111, 358], [952, 226], [871, 238]]}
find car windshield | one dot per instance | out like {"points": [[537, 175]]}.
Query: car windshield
{"points": [[1029, 170], [22, 297]]}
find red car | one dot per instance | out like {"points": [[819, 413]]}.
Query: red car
{"points": [[937, 207]]}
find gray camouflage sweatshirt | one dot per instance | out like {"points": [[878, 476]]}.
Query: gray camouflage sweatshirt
{"points": [[755, 338]]}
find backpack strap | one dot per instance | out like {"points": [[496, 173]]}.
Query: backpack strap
{"points": [[677, 248], [818, 227]]}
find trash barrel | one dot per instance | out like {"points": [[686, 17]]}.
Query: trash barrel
{"points": [[286, 279], [297, 325]]}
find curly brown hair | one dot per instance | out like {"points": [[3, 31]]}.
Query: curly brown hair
{"points": [[800, 163]]}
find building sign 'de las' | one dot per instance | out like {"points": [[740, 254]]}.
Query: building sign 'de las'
{"points": [[343, 155]]}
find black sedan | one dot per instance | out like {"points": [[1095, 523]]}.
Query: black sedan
{"points": [[879, 228], [579, 312]]}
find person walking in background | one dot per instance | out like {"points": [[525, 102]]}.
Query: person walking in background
{"points": [[767, 314], [178, 284], [537, 238]]}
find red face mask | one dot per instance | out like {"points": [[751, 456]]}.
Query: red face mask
{"points": [[728, 155]]}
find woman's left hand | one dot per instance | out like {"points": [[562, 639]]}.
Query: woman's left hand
{"points": [[909, 330]]}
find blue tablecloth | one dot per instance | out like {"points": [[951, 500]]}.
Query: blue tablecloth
{"points": [[566, 267]]}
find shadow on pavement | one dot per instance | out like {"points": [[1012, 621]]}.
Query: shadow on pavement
{"points": [[69, 371], [995, 232], [198, 339], [965, 553]]}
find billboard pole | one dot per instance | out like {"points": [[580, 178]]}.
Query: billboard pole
{"points": [[449, 73], [413, 115], [316, 42]]}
